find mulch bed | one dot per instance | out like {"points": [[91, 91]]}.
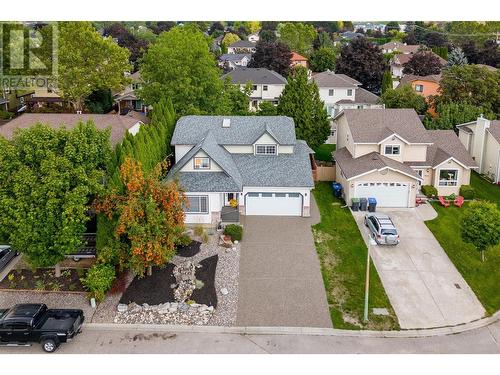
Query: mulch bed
{"points": [[43, 279], [154, 289], [206, 295], [188, 251]]}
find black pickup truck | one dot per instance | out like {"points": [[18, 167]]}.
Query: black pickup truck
{"points": [[26, 323]]}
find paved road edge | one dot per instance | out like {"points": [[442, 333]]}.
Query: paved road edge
{"points": [[313, 331]]}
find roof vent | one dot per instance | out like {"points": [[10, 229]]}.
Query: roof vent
{"points": [[226, 123]]}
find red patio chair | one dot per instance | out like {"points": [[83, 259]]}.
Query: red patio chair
{"points": [[443, 202], [459, 201]]}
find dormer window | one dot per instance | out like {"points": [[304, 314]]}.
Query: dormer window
{"points": [[202, 163], [265, 150], [331, 92], [392, 150]]}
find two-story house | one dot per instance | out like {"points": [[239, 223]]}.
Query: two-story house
{"points": [[298, 60], [254, 38], [426, 86], [267, 85], [388, 154], [391, 47], [398, 62], [231, 61], [242, 46], [127, 100], [481, 138], [254, 160]]}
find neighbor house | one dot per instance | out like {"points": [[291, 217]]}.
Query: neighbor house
{"points": [[340, 92], [481, 138], [399, 47], [254, 38], [267, 85], [388, 154], [398, 61], [426, 86], [230, 61], [242, 46], [255, 161], [298, 60], [127, 99], [119, 125]]}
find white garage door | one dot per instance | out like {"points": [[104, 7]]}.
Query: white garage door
{"points": [[387, 194], [274, 204]]}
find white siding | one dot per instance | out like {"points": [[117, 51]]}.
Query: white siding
{"points": [[239, 149], [181, 150], [189, 166], [214, 206]]}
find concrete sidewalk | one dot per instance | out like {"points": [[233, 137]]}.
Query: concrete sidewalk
{"points": [[280, 281]]}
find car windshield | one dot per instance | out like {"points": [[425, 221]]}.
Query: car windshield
{"points": [[3, 252], [389, 232]]}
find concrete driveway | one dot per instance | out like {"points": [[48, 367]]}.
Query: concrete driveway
{"points": [[280, 281], [423, 285]]}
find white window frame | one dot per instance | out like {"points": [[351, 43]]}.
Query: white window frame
{"points": [[393, 147], [201, 167], [331, 92], [419, 88], [264, 88], [448, 182], [187, 210], [269, 149], [349, 92]]}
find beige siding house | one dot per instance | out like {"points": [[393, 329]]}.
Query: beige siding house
{"points": [[388, 154], [481, 138]]}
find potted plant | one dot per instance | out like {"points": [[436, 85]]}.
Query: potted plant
{"points": [[233, 203]]}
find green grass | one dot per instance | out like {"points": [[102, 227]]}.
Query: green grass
{"points": [[483, 278], [324, 152], [485, 190], [342, 254]]}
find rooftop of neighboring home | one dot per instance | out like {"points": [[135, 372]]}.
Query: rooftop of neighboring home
{"points": [[332, 79], [243, 44], [119, 124], [493, 129], [297, 57], [210, 134], [408, 78], [256, 75], [401, 47], [402, 59], [489, 67], [234, 56], [362, 96]]}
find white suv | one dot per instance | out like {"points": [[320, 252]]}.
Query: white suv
{"points": [[382, 229]]}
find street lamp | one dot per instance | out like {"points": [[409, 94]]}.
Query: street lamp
{"points": [[367, 283]]}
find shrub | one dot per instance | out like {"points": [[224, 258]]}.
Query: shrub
{"points": [[198, 230], [429, 190], [98, 280], [235, 231], [204, 237], [184, 240], [467, 191], [4, 115]]}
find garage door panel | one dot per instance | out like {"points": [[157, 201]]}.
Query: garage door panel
{"points": [[273, 204], [387, 194]]}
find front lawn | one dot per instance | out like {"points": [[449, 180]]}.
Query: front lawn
{"points": [[324, 152], [483, 278], [342, 253], [485, 190]]}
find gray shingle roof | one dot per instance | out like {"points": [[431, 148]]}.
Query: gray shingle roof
{"points": [[330, 79], [234, 56], [447, 144], [242, 44], [369, 162], [255, 75], [362, 96], [494, 129], [206, 182], [244, 130], [374, 125]]}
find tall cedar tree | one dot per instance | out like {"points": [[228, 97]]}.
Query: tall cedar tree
{"points": [[47, 178], [364, 62], [149, 215], [301, 101], [272, 55], [423, 63], [386, 81]]}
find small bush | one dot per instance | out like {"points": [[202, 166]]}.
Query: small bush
{"points": [[204, 237], [467, 191], [198, 230], [429, 190], [98, 280], [184, 240], [4, 115], [235, 231]]}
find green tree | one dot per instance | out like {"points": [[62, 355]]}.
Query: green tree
{"points": [[298, 36], [88, 62], [449, 115], [323, 59], [386, 81], [267, 109], [229, 39], [48, 177], [392, 25], [300, 100], [179, 66], [473, 85], [323, 40], [480, 226], [404, 97], [457, 57], [441, 52]]}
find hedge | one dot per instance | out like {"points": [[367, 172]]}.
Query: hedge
{"points": [[235, 231], [429, 190], [467, 191]]}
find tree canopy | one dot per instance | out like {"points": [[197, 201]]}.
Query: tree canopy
{"points": [[298, 36], [272, 55], [404, 97], [127, 40], [423, 63], [300, 100], [457, 57], [47, 180], [323, 59], [449, 115]]}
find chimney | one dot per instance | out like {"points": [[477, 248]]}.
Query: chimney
{"points": [[226, 123], [478, 141]]}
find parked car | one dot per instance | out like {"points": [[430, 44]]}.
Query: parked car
{"points": [[382, 228], [6, 255], [26, 323]]}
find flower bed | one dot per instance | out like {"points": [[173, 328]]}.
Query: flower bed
{"points": [[43, 279]]}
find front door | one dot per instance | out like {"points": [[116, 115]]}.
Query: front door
{"points": [[421, 174], [229, 196]]}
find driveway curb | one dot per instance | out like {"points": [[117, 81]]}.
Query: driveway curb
{"points": [[311, 331]]}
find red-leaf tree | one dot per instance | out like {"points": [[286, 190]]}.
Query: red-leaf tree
{"points": [[149, 216]]}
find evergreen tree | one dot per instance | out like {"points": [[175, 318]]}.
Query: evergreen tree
{"points": [[301, 101], [323, 59], [386, 81], [457, 57]]}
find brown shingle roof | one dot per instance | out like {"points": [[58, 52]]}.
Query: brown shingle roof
{"points": [[404, 48], [330, 79], [374, 125], [369, 162], [447, 144], [402, 59], [407, 78], [362, 96], [494, 129], [119, 124], [297, 57]]}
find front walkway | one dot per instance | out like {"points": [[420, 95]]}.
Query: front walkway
{"points": [[280, 277], [423, 285]]}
